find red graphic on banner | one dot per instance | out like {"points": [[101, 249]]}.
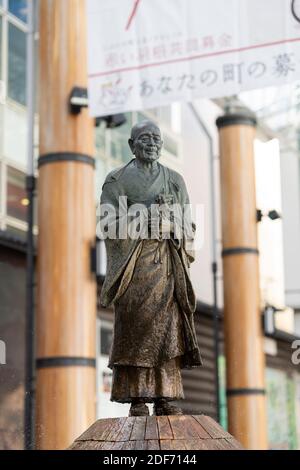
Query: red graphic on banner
{"points": [[133, 13]]}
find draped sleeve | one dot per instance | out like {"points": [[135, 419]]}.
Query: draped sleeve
{"points": [[121, 253]]}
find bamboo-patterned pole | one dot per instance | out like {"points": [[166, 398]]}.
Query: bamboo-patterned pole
{"points": [[242, 317], [66, 310]]}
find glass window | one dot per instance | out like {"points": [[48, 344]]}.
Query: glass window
{"points": [[18, 8], [100, 139], [119, 141], [15, 134], [170, 145], [142, 117], [16, 232], [100, 175], [0, 47], [105, 340], [16, 64], [2, 209], [16, 194]]}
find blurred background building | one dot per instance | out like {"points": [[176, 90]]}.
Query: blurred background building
{"points": [[191, 148]]}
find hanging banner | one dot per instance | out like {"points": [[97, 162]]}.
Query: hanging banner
{"points": [[148, 53]]}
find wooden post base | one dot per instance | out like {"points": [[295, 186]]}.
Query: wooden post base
{"points": [[156, 433]]}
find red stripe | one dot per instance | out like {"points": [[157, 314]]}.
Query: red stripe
{"points": [[199, 56], [132, 14]]}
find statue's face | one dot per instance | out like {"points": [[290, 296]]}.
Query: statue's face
{"points": [[147, 144]]}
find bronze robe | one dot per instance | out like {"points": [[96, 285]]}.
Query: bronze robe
{"points": [[148, 282]]}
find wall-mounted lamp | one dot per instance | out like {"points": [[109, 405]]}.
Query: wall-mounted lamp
{"points": [[115, 120], [98, 259], [79, 99], [269, 318], [273, 215]]}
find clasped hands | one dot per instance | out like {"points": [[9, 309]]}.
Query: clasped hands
{"points": [[163, 219]]}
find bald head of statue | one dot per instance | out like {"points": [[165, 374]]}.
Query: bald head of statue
{"points": [[145, 141]]}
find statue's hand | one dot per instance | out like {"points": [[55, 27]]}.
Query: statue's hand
{"points": [[166, 226], [161, 227], [163, 199]]}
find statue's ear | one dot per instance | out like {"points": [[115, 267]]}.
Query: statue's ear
{"points": [[131, 145]]}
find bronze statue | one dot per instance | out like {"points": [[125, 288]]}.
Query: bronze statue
{"points": [[148, 280]]}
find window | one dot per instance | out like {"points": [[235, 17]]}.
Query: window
{"points": [[119, 148], [170, 145], [16, 64], [105, 339], [16, 194], [0, 48], [18, 8], [2, 201], [13, 30]]}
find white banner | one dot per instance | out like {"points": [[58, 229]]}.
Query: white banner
{"points": [[148, 53]]}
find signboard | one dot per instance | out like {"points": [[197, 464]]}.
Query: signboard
{"points": [[148, 53]]}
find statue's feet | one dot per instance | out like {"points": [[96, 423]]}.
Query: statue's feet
{"points": [[163, 408], [139, 409]]}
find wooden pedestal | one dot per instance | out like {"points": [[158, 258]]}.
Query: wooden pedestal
{"points": [[156, 433]]}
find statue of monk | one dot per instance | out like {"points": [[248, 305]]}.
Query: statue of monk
{"points": [[148, 282]]}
